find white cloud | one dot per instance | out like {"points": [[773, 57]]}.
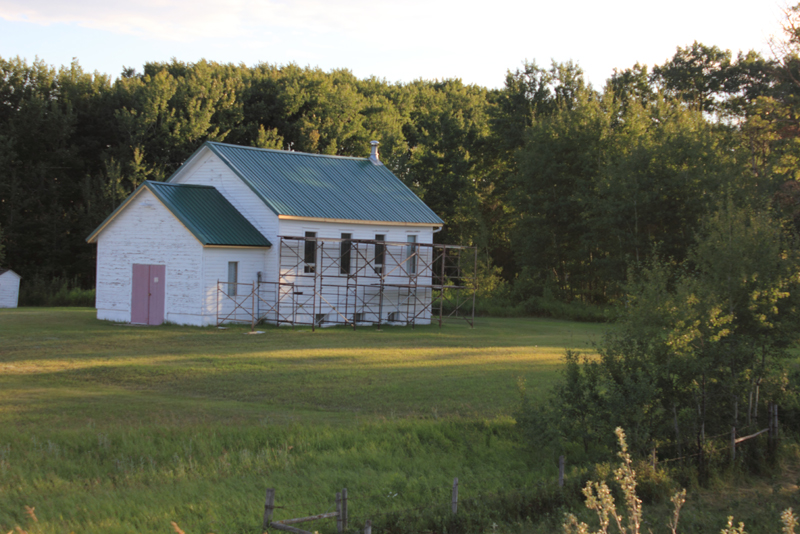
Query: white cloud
{"points": [[185, 20]]}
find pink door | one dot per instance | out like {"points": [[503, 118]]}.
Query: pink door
{"points": [[140, 299], [147, 299]]}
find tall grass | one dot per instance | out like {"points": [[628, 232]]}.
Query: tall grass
{"points": [[212, 477], [117, 428]]}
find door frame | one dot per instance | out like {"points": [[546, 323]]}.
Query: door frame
{"points": [[148, 293]]}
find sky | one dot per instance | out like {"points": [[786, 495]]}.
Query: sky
{"points": [[476, 41]]}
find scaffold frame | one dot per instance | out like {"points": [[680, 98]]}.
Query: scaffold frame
{"points": [[325, 281]]}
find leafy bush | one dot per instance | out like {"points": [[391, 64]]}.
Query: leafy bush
{"points": [[523, 297], [628, 519], [55, 292], [503, 303]]}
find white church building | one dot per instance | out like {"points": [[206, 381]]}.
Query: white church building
{"points": [[249, 234]]}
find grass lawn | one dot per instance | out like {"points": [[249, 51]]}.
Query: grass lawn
{"points": [[115, 428]]}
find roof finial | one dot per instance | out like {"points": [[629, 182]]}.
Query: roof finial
{"points": [[373, 156]]}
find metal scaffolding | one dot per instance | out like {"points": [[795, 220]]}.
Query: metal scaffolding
{"points": [[359, 282]]}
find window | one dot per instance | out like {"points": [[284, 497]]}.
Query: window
{"points": [[411, 255], [380, 252], [233, 277], [310, 253], [344, 254]]}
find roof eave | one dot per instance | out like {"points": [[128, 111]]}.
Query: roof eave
{"points": [[217, 245], [357, 221]]}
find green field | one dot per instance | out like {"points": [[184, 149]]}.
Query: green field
{"points": [[115, 428]]}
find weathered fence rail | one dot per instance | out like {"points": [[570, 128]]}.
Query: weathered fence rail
{"points": [[340, 514], [341, 500]]}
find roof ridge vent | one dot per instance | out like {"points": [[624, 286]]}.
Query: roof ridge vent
{"points": [[373, 156]]}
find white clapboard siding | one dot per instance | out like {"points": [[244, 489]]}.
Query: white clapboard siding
{"points": [[210, 170], [215, 268], [9, 289], [146, 232]]}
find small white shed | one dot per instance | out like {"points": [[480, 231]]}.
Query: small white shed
{"points": [[9, 288]]}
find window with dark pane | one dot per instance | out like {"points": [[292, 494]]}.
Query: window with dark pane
{"points": [[411, 258], [310, 252], [233, 277], [344, 254], [380, 252]]}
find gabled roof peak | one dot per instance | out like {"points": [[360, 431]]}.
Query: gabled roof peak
{"points": [[319, 186], [159, 184], [203, 210], [283, 152]]}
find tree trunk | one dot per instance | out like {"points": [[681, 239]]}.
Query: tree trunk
{"points": [[677, 430]]}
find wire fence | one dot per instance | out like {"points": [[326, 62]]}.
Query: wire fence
{"points": [[445, 502], [443, 507]]}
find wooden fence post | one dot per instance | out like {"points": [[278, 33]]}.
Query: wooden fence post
{"points": [[561, 462], [368, 527], [339, 512], [344, 508], [772, 419], [771, 432], [455, 496], [269, 505]]}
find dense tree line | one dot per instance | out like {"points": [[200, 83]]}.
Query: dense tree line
{"points": [[562, 186], [676, 192], [73, 145]]}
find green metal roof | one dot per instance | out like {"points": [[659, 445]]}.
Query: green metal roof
{"points": [[204, 211], [319, 186]]}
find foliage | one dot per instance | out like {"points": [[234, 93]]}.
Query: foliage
{"points": [[74, 144], [699, 348], [2, 248], [600, 500], [605, 177], [499, 298], [561, 185], [54, 292]]}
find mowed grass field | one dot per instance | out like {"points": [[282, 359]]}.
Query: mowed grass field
{"points": [[116, 428]]}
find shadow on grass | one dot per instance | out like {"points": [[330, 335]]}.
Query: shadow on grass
{"points": [[76, 334]]}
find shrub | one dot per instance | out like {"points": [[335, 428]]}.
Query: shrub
{"points": [[37, 291], [599, 498]]}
